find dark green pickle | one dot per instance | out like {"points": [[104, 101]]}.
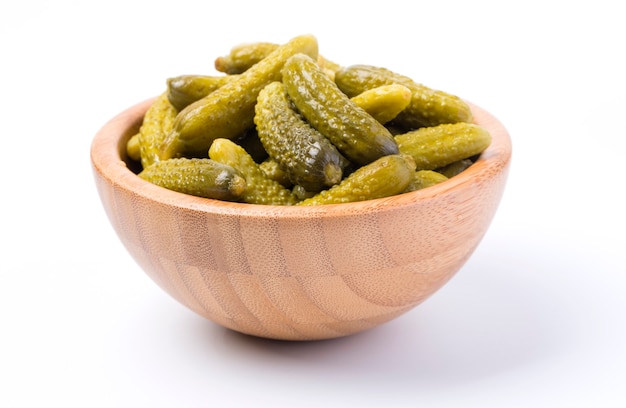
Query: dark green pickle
{"points": [[309, 158], [357, 135]]}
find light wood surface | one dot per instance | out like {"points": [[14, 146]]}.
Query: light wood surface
{"points": [[299, 273]]}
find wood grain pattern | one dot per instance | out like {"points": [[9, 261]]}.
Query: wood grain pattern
{"points": [[299, 273]]}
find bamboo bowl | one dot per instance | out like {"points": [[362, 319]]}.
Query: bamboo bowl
{"points": [[299, 273]]}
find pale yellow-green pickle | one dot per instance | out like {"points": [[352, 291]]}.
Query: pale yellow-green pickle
{"points": [[384, 102], [133, 150], [438, 146]]}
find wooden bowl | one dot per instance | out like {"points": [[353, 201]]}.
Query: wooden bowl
{"points": [[299, 273]]}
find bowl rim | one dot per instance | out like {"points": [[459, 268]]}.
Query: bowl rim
{"points": [[107, 154]]}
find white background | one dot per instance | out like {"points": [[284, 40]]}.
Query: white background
{"points": [[535, 318]]}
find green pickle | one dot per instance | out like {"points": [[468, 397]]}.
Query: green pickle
{"points": [[386, 176], [133, 150], [425, 178], [199, 177], [439, 146], [357, 135], [260, 189], [428, 107], [455, 168], [309, 159], [184, 90], [272, 169], [384, 102], [157, 123], [243, 56], [229, 111]]}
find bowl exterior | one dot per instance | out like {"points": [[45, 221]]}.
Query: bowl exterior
{"points": [[293, 273]]}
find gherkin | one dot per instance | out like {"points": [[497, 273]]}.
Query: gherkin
{"points": [[157, 123], [425, 178], [183, 90], [387, 176], [438, 146], [260, 189], [384, 102], [428, 107], [243, 56], [309, 159], [199, 177], [355, 133]]}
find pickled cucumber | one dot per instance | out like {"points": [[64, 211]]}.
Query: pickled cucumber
{"points": [[355, 133], [184, 90], [260, 189], [309, 159], [455, 168], [428, 107], [157, 123], [244, 56], [272, 169], [199, 177], [438, 146], [229, 111], [384, 102], [133, 150], [425, 178], [386, 176]]}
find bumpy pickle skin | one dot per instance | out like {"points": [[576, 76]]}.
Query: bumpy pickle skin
{"points": [[272, 169], [199, 177], [229, 111], [384, 102], [260, 189], [355, 133], [438, 146], [184, 90], [428, 107], [157, 124], [307, 156], [386, 176], [425, 178]]}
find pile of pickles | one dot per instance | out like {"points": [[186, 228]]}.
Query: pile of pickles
{"points": [[282, 125]]}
